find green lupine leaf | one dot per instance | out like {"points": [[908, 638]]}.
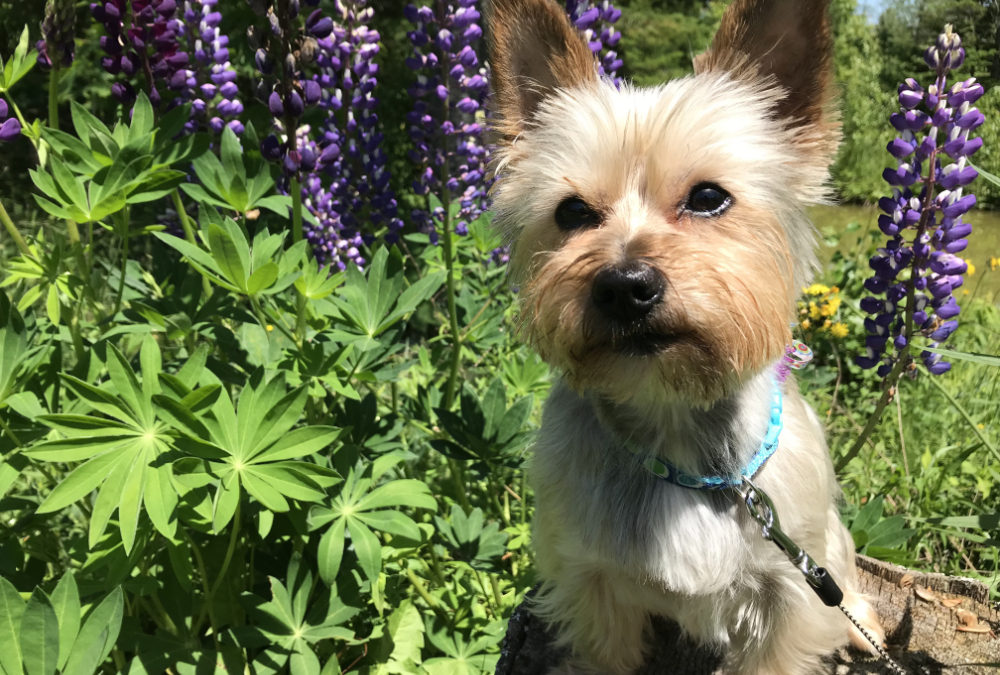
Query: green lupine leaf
{"points": [[303, 662], [331, 551], [285, 480], [142, 118], [92, 131], [108, 497], [194, 254], [14, 346], [222, 425], [227, 496], [75, 449], [20, 64], [11, 610], [300, 442], [231, 154], [127, 386], [280, 204], [411, 298], [180, 415], [366, 547], [101, 627], [80, 482], [160, 499], [202, 196], [151, 365], [271, 412], [98, 399], [66, 603], [392, 522], [404, 492], [57, 210], [494, 405], [228, 256], [192, 369], [513, 420], [70, 187], [261, 489], [76, 152], [130, 502], [39, 635], [263, 278]]}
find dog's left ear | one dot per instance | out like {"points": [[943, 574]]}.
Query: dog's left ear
{"points": [[534, 50], [788, 40]]}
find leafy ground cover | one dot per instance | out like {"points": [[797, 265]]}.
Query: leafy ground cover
{"points": [[216, 453]]}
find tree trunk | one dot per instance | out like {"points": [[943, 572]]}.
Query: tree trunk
{"points": [[935, 624]]}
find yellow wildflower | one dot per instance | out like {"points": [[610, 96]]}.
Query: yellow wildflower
{"points": [[805, 324], [994, 264], [839, 330], [269, 328], [813, 311], [972, 268], [817, 289]]}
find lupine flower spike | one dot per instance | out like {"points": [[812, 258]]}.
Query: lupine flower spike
{"points": [[209, 81], [446, 123], [56, 46], [140, 40], [351, 158], [596, 22], [918, 269]]}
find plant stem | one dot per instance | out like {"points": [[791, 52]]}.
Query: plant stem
{"points": [[10, 433], [124, 263], [14, 233], [188, 228], [422, 591], [458, 476], [456, 338], [54, 96], [300, 315]]}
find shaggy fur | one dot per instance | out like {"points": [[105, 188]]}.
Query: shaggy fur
{"points": [[615, 544]]}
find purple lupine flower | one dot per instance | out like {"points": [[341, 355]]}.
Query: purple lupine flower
{"points": [[596, 21], [10, 127], [917, 270], [209, 80], [447, 120], [283, 55], [354, 195], [147, 48], [57, 34]]}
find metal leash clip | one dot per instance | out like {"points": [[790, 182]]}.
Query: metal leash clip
{"points": [[761, 509]]}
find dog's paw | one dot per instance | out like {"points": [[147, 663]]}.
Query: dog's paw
{"points": [[864, 614]]}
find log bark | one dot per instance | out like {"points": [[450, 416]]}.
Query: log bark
{"points": [[936, 625]]}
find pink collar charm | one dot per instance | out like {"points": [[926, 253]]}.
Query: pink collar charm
{"points": [[797, 356]]}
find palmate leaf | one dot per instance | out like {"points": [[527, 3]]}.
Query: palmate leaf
{"points": [[122, 453], [374, 302], [356, 510], [252, 447]]}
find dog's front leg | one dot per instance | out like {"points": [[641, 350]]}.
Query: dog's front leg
{"points": [[593, 614]]}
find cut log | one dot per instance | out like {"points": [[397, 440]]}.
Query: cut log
{"points": [[935, 624]]}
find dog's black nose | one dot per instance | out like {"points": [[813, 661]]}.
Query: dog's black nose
{"points": [[627, 292]]}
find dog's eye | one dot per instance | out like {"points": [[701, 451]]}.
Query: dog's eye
{"points": [[574, 213], [708, 199]]}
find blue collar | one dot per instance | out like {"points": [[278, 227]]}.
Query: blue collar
{"points": [[670, 473]]}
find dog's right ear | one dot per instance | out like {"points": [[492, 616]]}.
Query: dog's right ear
{"points": [[534, 50]]}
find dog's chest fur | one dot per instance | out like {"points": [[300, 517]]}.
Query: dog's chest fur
{"points": [[602, 506]]}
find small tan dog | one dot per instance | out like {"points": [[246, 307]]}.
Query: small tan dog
{"points": [[659, 243]]}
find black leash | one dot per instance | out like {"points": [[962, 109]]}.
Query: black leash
{"points": [[761, 509]]}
